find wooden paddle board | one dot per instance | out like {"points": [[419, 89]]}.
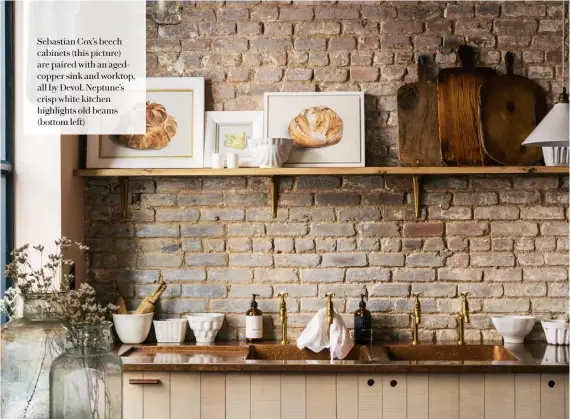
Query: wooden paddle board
{"points": [[458, 111], [510, 108], [418, 131]]}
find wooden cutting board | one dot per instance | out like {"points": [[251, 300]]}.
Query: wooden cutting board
{"points": [[418, 132], [458, 111], [510, 108]]}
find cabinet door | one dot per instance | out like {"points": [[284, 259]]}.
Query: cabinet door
{"points": [[156, 397], [321, 396], [369, 396], [552, 397], [500, 396], [418, 393], [293, 396], [238, 396], [394, 392], [265, 396], [527, 396], [212, 395], [132, 396], [472, 396], [346, 396], [184, 395], [444, 396]]}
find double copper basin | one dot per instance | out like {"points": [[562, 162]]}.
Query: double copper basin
{"points": [[392, 352], [276, 352]]}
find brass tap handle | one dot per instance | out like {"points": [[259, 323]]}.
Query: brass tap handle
{"points": [[330, 307], [283, 316], [465, 306], [417, 307]]}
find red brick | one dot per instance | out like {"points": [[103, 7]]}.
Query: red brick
{"points": [[266, 44], [298, 74], [540, 72], [487, 9], [318, 28], [460, 10], [361, 58], [359, 28], [313, 44], [549, 42], [345, 43], [278, 28], [331, 74], [230, 45], [337, 13], [377, 13], [368, 43], [364, 74], [264, 13], [467, 228], [396, 43], [295, 13], [465, 27], [401, 27], [527, 8], [227, 13], [423, 229], [516, 26], [514, 229], [513, 43], [238, 75]]}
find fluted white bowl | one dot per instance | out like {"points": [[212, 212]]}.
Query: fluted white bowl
{"points": [[170, 331], [514, 328], [132, 328], [556, 331], [270, 152], [205, 326]]}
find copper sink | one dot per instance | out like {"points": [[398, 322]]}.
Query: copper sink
{"points": [[449, 353], [292, 353]]}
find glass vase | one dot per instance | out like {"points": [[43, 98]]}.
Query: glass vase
{"points": [[29, 345], [86, 380]]}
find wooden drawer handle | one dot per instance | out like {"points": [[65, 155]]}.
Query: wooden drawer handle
{"points": [[144, 381]]}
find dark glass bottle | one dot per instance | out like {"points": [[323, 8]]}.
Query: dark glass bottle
{"points": [[362, 324], [254, 322]]}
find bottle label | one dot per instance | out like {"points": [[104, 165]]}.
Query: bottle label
{"points": [[253, 327]]}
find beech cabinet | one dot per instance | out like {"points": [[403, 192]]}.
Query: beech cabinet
{"points": [[188, 395]]}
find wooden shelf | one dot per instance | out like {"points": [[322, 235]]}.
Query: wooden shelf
{"points": [[330, 171], [415, 172]]}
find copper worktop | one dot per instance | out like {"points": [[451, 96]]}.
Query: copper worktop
{"points": [[231, 357]]}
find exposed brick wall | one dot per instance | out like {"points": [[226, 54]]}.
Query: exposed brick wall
{"points": [[246, 48], [504, 239]]}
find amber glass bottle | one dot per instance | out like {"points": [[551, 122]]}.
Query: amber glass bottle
{"points": [[254, 322], [362, 324]]}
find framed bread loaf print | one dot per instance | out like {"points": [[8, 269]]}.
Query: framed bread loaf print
{"points": [[174, 135], [327, 128]]}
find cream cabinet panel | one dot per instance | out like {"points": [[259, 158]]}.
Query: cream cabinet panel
{"points": [[265, 396], [185, 395], [293, 396], [444, 396], [321, 396], [394, 396], [500, 396], [552, 397], [527, 396], [369, 396], [566, 391], [238, 396], [156, 397], [132, 396], [212, 395], [472, 396], [347, 396], [418, 393]]}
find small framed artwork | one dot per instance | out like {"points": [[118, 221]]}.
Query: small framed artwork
{"points": [[230, 132], [174, 130], [327, 128]]}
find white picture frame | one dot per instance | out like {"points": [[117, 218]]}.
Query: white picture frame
{"points": [[183, 99], [222, 123], [282, 107]]}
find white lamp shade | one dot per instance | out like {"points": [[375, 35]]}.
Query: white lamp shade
{"points": [[552, 130]]}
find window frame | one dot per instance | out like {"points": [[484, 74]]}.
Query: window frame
{"points": [[7, 142]]}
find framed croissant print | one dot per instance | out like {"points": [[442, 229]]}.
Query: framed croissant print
{"points": [[174, 130], [327, 128]]}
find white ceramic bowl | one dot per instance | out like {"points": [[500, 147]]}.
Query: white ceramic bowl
{"points": [[270, 152], [205, 326], [132, 328], [556, 332], [170, 331], [514, 328]]}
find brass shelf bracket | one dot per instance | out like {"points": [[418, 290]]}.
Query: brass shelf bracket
{"points": [[124, 192], [273, 196], [417, 189]]}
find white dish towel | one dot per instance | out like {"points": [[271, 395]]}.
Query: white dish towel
{"points": [[316, 338]]}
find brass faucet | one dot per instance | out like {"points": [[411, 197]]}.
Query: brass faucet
{"points": [[462, 318], [330, 308], [416, 317], [283, 317]]}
